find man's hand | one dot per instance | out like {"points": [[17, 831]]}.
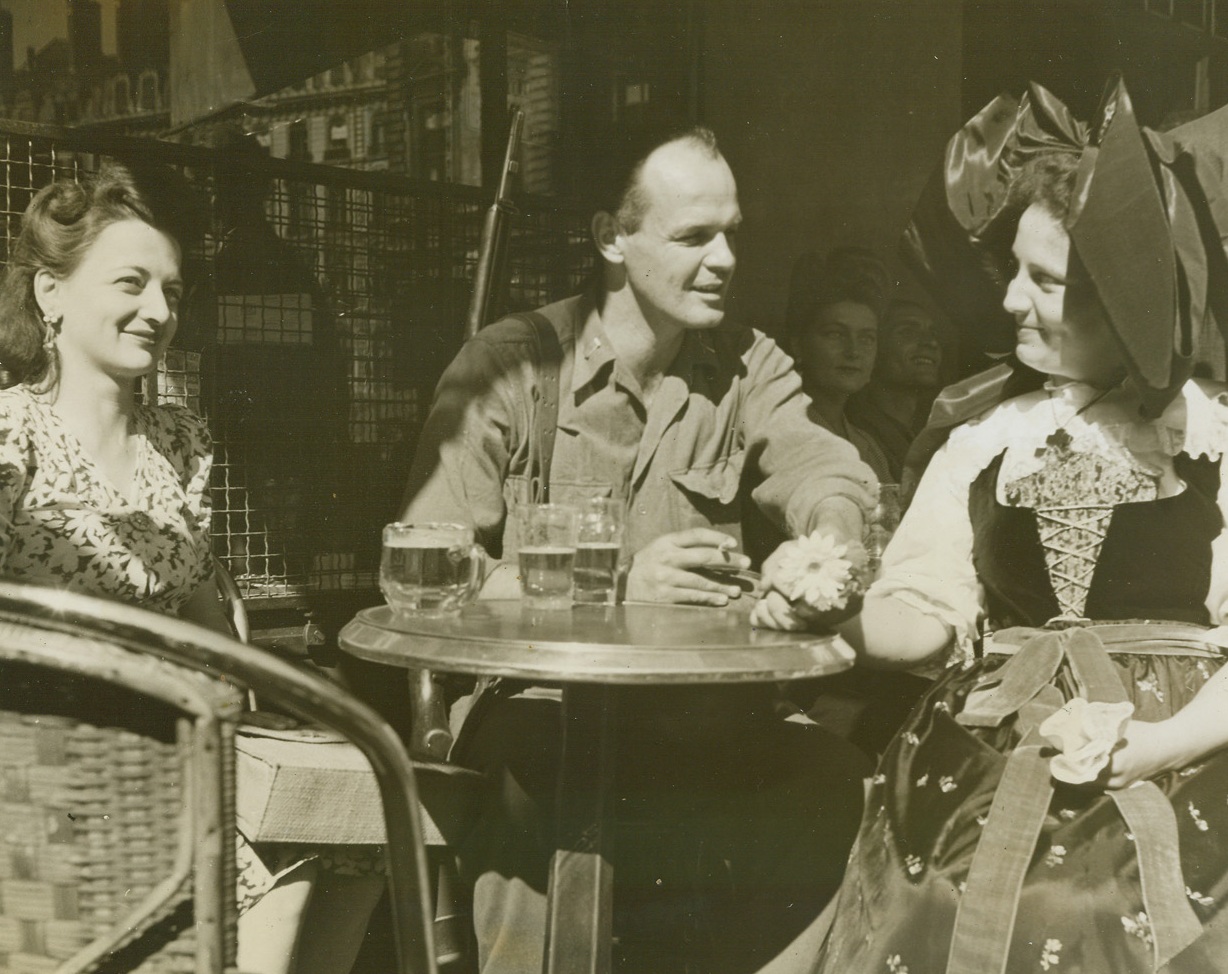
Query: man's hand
{"points": [[840, 518], [665, 570]]}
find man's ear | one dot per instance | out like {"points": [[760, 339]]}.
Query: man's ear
{"points": [[45, 286], [608, 236]]}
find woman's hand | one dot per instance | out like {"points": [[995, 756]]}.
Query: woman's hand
{"points": [[1147, 749], [774, 611]]}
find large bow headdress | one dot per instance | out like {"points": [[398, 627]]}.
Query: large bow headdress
{"points": [[1143, 230]]}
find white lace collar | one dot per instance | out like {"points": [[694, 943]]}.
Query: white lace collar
{"points": [[1196, 423]]}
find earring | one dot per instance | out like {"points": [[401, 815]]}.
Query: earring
{"points": [[50, 321]]}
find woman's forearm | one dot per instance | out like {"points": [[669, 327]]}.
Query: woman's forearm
{"points": [[1201, 726], [205, 609], [889, 634], [1151, 748]]}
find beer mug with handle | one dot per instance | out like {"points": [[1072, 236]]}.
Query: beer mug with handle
{"points": [[430, 569]]}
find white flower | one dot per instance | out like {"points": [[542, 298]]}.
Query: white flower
{"points": [[1199, 898], [1139, 926], [1049, 954], [913, 864], [1196, 815], [946, 784], [895, 966], [814, 570], [1085, 734]]}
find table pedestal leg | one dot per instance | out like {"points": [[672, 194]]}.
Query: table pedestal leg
{"points": [[579, 923]]}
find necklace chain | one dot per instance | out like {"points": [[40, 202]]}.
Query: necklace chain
{"points": [[1061, 437]]}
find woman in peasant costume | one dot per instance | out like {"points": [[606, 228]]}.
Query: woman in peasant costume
{"points": [[1058, 801]]}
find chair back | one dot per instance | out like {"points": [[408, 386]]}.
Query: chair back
{"points": [[232, 598], [116, 787], [116, 807]]}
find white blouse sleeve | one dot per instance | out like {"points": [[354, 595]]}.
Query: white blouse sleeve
{"points": [[928, 563]]}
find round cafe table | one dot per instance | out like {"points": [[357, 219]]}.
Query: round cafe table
{"points": [[591, 651]]}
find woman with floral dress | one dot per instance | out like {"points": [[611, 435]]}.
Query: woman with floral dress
{"points": [[1059, 800], [106, 496]]}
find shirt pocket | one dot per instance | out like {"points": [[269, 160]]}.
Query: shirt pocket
{"points": [[708, 494]]}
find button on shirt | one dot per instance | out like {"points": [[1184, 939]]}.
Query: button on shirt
{"points": [[730, 404]]}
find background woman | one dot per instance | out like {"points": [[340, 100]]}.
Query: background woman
{"points": [[103, 495], [1059, 802], [834, 310]]}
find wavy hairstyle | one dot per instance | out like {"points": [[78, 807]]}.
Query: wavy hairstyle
{"points": [[61, 223], [1048, 180], [849, 273]]}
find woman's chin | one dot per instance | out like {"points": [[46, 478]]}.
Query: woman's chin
{"points": [[1037, 360]]}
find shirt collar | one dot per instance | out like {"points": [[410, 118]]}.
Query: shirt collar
{"points": [[594, 353]]}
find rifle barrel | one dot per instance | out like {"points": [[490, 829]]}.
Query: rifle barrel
{"points": [[488, 275]]}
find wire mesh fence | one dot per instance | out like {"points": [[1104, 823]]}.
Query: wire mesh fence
{"points": [[323, 304]]}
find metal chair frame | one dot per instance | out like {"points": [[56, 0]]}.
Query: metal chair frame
{"points": [[300, 693]]}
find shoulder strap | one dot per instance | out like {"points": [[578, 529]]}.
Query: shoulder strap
{"points": [[549, 355]]}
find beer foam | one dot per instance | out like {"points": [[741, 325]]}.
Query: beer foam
{"points": [[425, 538]]}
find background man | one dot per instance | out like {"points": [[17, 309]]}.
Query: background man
{"points": [[733, 825], [907, 375]]}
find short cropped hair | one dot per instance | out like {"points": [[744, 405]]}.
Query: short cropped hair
{"points": [[621, 192], [61, 223]]}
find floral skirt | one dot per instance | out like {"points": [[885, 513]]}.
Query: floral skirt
{"points": [[1060, 864]]}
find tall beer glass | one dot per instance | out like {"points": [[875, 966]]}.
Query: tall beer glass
{"points": [[599, 550], [547, 554]]}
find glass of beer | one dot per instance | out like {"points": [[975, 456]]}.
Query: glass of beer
{"points": [[430, 569], [881, 525], [547, 554], [599, 550]]}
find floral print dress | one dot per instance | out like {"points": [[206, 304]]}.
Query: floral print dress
{"points": [[64, 524]]}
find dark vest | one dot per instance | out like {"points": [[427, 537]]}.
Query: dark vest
{"points": [[1155, 562]]}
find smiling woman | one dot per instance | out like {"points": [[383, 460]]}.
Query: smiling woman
{"points": [[106, 496], [117, 309], [87, 307], [1056, 798]]}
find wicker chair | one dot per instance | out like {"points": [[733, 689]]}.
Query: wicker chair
{"points": [[116, 788]]}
